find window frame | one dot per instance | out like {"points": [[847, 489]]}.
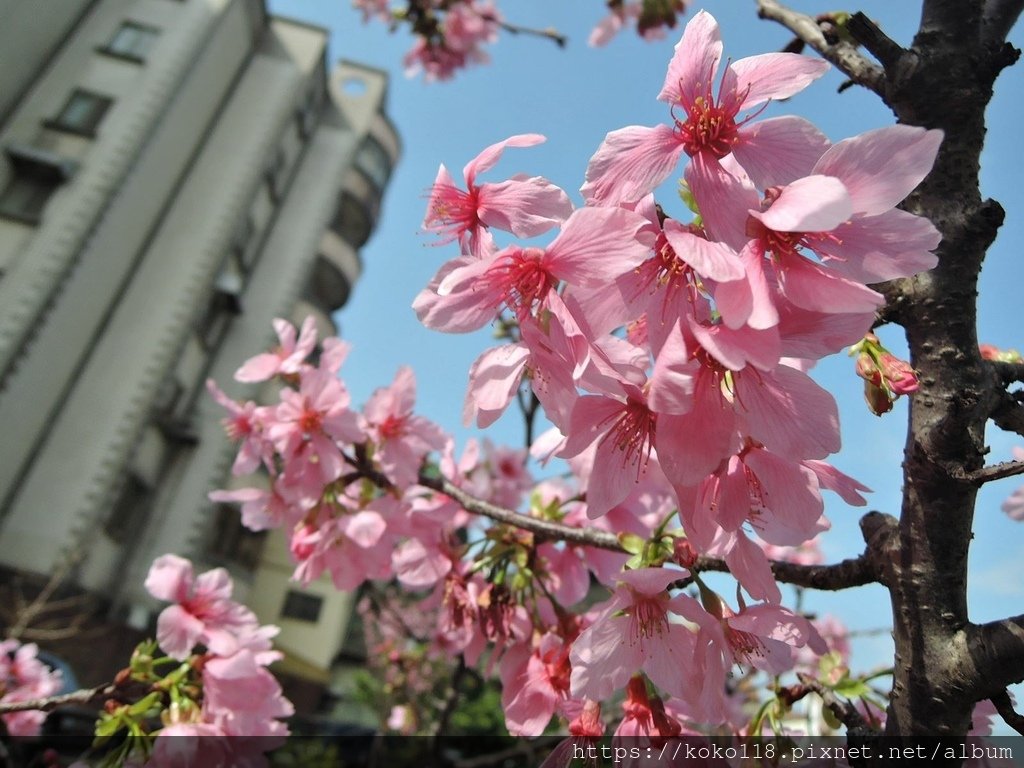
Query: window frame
{"points": [[137, 54], [99, 106]]}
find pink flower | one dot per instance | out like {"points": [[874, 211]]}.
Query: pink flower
{"points": [[243, 698], [24, 677], [594, 246], [203, 611], [402, 439], [307, 424], [633, 161], [244, 424], [535, 682], [632, 632], [287, 358], [526, 207]]}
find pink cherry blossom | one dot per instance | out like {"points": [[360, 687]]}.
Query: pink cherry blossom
{"points": [[526, 207], [23, 677], [203, 611], [633, 161], [632, 632], [287, 359]]}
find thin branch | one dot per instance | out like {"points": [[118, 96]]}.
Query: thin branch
{"points": [[845, 56], [998, 19], [515, 29], [83, 696], [995, 472], [845, 711], [1005, 709], [547, 529], [853, 572], [38, 605]]}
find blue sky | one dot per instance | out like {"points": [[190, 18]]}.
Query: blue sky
{"points": [[574, 97]]}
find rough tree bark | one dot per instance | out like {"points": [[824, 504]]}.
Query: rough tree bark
{"points": [[944, 664]]}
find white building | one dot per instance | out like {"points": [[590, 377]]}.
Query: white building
{"points": [[173, 175]]}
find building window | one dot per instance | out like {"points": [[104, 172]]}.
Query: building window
{"points": [[352, 221], [81, 114], [301, 606], [373, 160], [132, 41], [232, 542], [37, 173], [24, 199], [129, 509]]}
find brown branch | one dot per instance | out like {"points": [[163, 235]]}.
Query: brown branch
{"points": [[1008, 373], [845, 56], [845, 711], [853, 572], [83, 696], [875, 41], [995, 472], [515, 29], [1005, 709], [1009, 416], [995, 651], [998, 19]]}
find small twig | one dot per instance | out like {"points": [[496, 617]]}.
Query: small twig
{"points": [[38, 605], [1005, 709], [845, 56], [83, 696], [515, 29], [845, 711], [995, 472], [1009, 416]]}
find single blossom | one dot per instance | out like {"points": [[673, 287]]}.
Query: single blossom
{"points": [[633, 161], [524, 206]]}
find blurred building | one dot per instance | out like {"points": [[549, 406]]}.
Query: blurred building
{"points": [[173, 175]]}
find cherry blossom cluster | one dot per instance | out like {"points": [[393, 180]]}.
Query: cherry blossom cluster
{"points": [[24, 677], [451, 35], [213, 681], [670, 356]]}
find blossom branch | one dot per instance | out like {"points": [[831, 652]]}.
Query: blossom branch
{"points": [[844, 55], [1005, 709], [515, 29], [852, 572], [83, 696]]}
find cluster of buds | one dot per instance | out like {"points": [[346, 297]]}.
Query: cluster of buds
{"points": [[886, 376]]}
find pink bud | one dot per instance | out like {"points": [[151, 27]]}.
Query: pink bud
{"points": [[899, 376]]}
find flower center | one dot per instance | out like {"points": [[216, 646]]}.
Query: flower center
{"points": [[522, 279], [647, 617], [633, 434], [709, 127]]}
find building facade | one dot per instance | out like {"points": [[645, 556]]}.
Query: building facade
{"points": [[174, 174]]}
